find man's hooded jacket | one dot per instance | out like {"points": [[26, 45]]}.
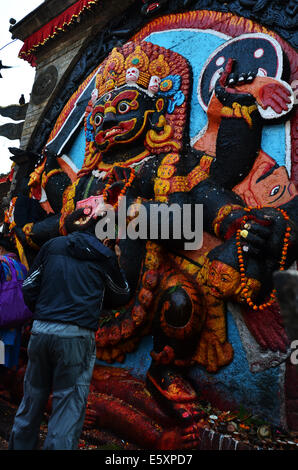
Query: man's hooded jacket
{"points": [[72, 278]]}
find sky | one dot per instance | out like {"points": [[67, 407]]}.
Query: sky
{"points": [[18, 79]]}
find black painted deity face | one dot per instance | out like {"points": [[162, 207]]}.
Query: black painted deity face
{"points": [[121, 117]]}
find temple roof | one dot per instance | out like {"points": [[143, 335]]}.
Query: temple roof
{"points": [[37, 18]]}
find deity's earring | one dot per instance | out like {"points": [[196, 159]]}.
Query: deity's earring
{"points": [[160, 131], [160, 134], [154, 126], [154, 120]]}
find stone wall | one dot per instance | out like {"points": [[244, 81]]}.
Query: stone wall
{"points": [[61, 58]]}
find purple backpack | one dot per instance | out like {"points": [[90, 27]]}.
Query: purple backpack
{"points": [[13, 310]]}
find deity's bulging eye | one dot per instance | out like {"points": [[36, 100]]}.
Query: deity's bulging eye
{"points": [[123, 107], [98, 119], [275, 190]]}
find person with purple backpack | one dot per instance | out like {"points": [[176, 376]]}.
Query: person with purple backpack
{"points": [[12, 274]]}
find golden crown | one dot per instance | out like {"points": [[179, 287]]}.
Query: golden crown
{"points": [[137, 68]]}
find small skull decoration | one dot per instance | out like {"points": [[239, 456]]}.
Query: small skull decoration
{"points": [[154, 84], [132, 75]]}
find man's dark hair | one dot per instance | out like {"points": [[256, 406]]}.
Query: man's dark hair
{"points": [[71, 226], [7, 243]]}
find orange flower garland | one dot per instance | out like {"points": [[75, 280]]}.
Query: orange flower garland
{"points": [[123, 190], [241, 261]]}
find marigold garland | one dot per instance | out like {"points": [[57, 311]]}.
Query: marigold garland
{"points": [[282, 262]]}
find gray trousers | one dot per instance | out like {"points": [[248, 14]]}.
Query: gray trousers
{"points": [[61, 362]]}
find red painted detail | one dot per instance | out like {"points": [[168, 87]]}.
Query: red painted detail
{"points": [[153, 6], [276, 96]]}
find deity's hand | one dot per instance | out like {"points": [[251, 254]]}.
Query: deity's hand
{"points": [[255, 229], [20, 235], [225, 87], [122, 173], [246, 89], [270, 93], [282, 232], [113, 191], [255, 234], [119, 184], [274, 95]]}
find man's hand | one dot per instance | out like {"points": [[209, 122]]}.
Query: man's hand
{"points": [[118, 252], [113, 246]]}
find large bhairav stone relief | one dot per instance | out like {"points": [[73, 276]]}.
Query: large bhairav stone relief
{"points": [[192, 111]]}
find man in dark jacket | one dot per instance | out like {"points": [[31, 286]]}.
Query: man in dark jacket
{"points": [[72, 278]]}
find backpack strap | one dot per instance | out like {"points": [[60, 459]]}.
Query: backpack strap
{"points": [[2, 271]]}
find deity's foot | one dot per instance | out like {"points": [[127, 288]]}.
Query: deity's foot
{"points": [[180, 400]]}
